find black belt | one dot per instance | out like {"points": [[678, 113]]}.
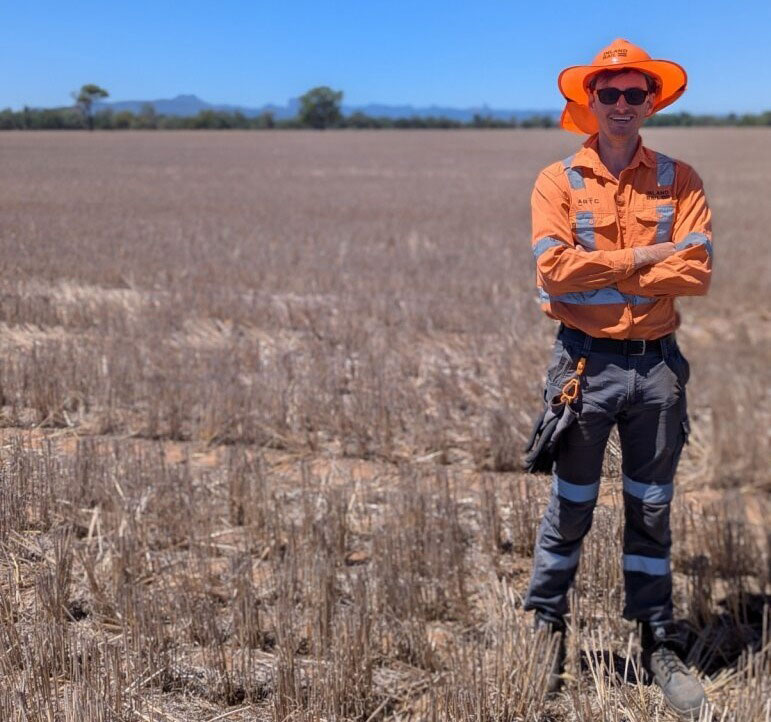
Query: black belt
{"points": [[624, 347]]}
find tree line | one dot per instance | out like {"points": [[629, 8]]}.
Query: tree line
{"points": [[320, 108]]}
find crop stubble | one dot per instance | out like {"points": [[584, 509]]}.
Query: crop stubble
{"points": [[263, 396]]}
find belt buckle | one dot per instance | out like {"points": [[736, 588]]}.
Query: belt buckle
{"points": [[632, 351]]}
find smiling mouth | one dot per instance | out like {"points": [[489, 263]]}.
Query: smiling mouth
{"points": [[621, 118]]}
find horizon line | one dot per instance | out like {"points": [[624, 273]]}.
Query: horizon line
{"points": [[401, 104]]}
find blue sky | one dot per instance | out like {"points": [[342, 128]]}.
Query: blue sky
{"points": [[459, 53]]}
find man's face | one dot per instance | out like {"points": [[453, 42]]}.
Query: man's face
{"points": [[621, 120]]}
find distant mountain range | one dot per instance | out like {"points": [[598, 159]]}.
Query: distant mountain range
{"points": [[192, 105]]}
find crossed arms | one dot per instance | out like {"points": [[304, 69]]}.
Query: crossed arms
{"points": [[681, 267]]}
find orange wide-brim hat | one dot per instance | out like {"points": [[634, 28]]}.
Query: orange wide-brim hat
{"points": [[619, 55]]}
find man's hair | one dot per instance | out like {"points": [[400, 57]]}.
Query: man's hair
{"points": [[651, 82]]}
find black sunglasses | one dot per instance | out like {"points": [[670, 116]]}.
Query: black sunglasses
{"points": [[633, 96]]}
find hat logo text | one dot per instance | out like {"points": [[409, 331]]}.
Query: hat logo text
{"points": [[615, 53]]}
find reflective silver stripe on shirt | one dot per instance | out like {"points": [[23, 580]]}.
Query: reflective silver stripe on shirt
{"points": [[666, 216], [585, 229], [634, 300], [647, 565], [665, 170], [695, 239], [578, 493], [574, 175], [597, 297], [544, 243], [649, 493]]}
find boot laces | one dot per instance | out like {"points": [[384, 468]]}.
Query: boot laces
{"points": [[670, 662]]}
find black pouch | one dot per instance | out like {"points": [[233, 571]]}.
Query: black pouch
{"points": [[542, 447]]}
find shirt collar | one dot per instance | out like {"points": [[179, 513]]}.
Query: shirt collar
{"points": [[589, 157]]}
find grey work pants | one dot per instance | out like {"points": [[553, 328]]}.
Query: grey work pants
{"points": [[645, 395]]}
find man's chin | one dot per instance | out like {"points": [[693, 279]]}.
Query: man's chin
{"points": [[621, 131]]}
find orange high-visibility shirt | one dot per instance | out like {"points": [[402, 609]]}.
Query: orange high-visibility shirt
{"points": [[585, 225]]}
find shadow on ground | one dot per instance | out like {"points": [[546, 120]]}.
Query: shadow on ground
{"points": [[720, 642]]}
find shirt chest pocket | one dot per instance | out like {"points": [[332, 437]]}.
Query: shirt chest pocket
{"points": [[593, 230], [654, 224]]}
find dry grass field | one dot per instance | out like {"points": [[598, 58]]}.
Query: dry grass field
{"points": [[262, 399]]}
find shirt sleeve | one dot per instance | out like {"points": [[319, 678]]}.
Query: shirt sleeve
{"points": [[562, 267], [688, 271]]}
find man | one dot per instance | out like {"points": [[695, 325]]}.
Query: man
{"points": [[619, 231]]}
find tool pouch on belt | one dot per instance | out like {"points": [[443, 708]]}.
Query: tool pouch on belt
{"points": [[559, 412]]}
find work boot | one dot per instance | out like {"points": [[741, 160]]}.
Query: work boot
{"points": [[549, 628], [661, 659]]}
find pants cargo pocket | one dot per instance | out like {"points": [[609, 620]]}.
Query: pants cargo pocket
{"points": [[683, 436]]}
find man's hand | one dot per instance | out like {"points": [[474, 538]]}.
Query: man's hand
{"points": [[647, 255]]}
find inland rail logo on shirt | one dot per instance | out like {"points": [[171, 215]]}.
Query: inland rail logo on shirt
{"points": [[658, 194]]}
